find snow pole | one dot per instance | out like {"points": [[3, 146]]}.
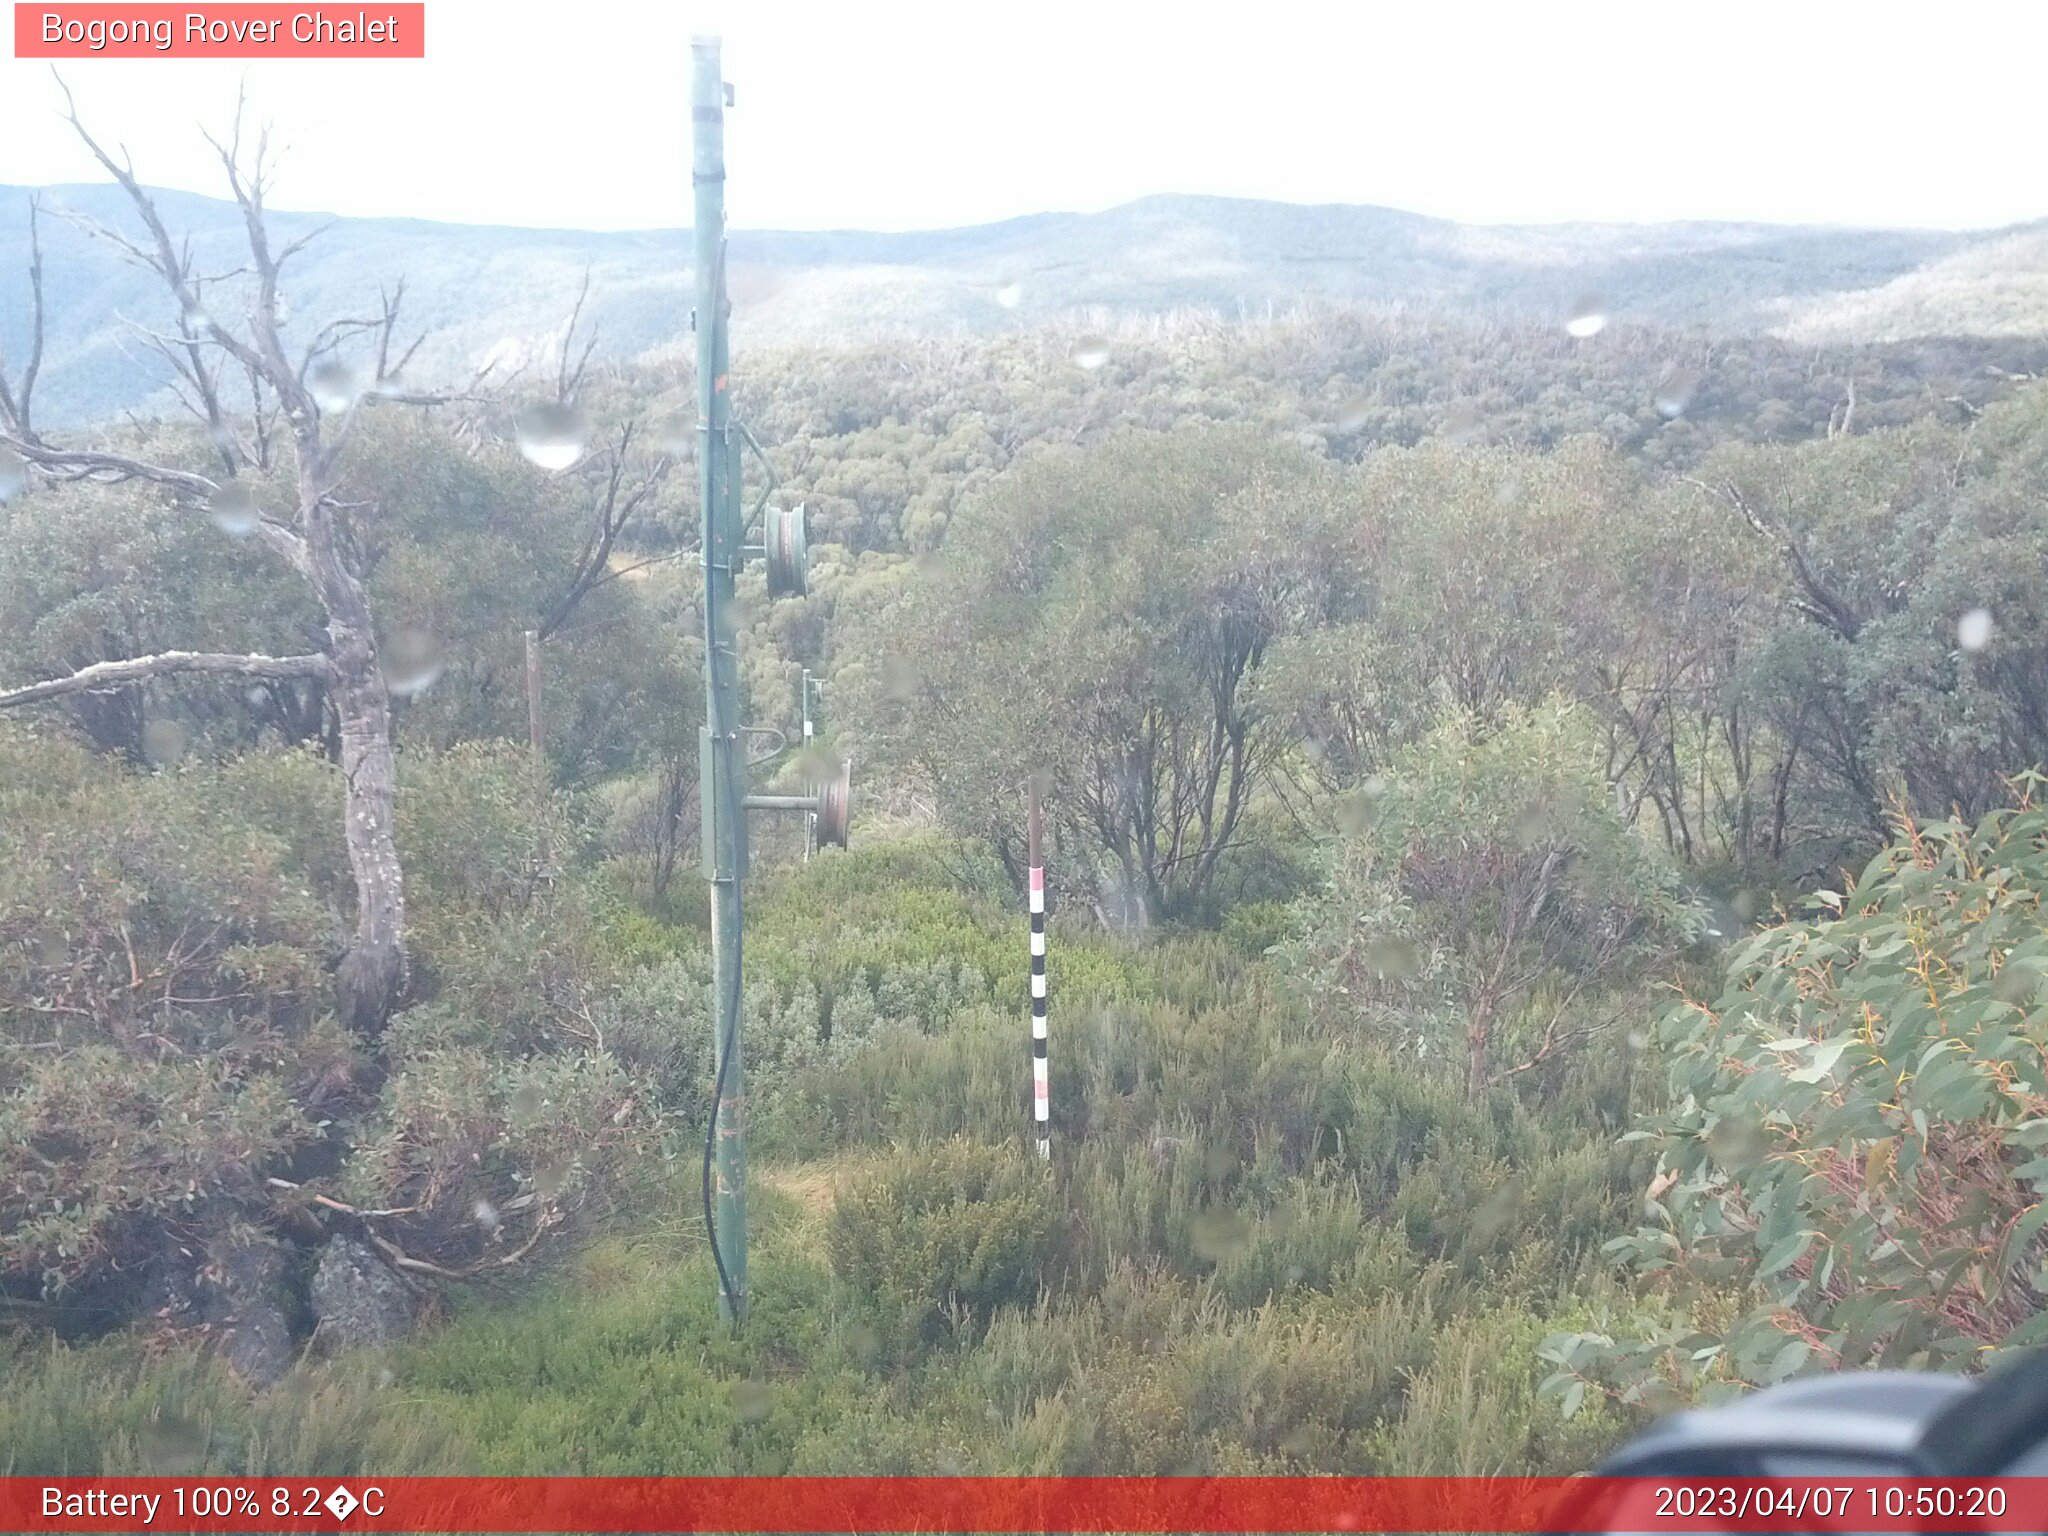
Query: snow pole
{"points": [[1041, 1083]]}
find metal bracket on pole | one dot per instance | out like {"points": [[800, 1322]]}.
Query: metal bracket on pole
{"points": [[767, 490], [828, 805]]}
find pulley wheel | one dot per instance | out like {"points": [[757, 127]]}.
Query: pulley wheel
{"points": [[835, 806], [787, 551]]}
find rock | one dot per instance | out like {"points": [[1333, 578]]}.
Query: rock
{"points": [[236, 1289], [172, 1294], [358, 1299], [245, 1291]]}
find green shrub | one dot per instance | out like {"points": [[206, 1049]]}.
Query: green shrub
{"points": [[163, 989], [954, 1229], [1854, 1140]]}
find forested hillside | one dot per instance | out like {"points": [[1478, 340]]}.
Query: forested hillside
{"points": [[1545, 868], [498, 295]]}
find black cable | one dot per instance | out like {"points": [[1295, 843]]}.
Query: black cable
{"points": [[725, 1049]]}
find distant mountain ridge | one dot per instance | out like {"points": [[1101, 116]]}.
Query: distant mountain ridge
{"points": [[482, 291]]}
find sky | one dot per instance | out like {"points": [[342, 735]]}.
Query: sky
{"points": [[880, 115]]}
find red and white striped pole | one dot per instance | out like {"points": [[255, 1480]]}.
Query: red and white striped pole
{"points": [[1041, 1084]]}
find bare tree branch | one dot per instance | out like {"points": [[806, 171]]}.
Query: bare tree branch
{"points": [[93, 464], [168, 263], [614, 511], [387, 370], [105, 675], [1817, 600], [567, 379], [17, 403]]}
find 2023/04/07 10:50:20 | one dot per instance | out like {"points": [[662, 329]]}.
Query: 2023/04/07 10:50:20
{"points": [[1803, 1499]]}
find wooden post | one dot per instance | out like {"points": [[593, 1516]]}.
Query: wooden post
{"points": [[536, 741], [535, 737]]}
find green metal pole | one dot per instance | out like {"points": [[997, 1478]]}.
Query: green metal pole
{"points": [[719, 763]]}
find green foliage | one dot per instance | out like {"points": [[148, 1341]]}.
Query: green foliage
{"points": [[1854, 1122], [1274, 582], [1486, 899], [953, 1231], [162, 1006], [166, 1043], [110, 1409], [1107, 607]]}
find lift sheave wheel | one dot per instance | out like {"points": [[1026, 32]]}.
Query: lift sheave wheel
{"points": [[835, 804], [783, 542]]}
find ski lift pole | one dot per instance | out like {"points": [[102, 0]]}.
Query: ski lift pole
{"points": [[1041, 1083], [719, 758], [721, 762]]}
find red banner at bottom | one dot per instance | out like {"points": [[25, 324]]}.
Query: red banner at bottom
{"points": [[1022, 1504]]}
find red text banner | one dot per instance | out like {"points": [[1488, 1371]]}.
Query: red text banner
{"points": [[999, 1504], [236, 31]]}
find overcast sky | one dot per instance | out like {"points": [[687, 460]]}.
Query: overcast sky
{"points": [[883, 115]]}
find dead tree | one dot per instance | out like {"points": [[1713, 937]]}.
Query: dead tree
{"points": [[208, 350], [295, 418]]}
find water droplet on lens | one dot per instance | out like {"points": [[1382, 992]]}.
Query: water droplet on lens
{"points": [[412, 661], [487, 1216], [1463, 423], [1355, 813], [13, 475], [2018, 984], [1217, 1233], [1010, 295], [675, 434], [551, 436], [1588, 317], [1534, 821], [53, 949], [234, 510], [1356, 412], [195, 317], [815, 763], [1973, 629], [172, 1446], [899, 677], [740, 610], [1675, 393], [551, 1180], [163, 742], [752, 1399], [1391, 958], [1090, 352], [334, 387]]}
